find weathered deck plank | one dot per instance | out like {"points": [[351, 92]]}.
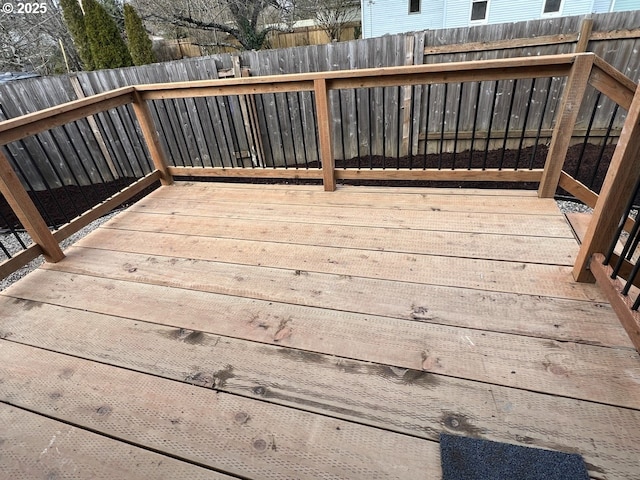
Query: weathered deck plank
{"points": [[35, 446], [557, 251], [559, 368], [373, 394], [226, 432], [299, 333], [430, 220], [489, 275], [209, 193], [561, 319]]}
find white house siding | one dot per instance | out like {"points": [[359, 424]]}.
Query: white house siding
{"points": [[380, 17], [502, 11], [576, 7], [602, 6], [457, 13], [624, 5]]}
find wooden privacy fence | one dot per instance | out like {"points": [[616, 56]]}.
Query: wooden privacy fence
{"points": [[267, 128], [580, 70]]}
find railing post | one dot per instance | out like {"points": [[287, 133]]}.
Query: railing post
{"points": [[19, 200], [324, 133], [618, 185], [150, 134], [569, 108]]}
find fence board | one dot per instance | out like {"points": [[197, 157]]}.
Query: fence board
{"points": [[214, 131]]}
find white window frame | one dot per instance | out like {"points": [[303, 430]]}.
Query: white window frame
{"points": [[485, 19], [419, 8], [551, 14]]}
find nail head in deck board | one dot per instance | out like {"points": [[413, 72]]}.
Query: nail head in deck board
{"points": [[512, 277], [143, 415], [543, 365], [557, 318], [33, 446], [418, 402]]}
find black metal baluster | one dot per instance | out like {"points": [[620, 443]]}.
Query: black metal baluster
{"points": [[493, 109], [514, 85], [524, 122], [455, 139], [475, 125], [442, 124]]}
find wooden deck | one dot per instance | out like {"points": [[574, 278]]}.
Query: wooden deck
{"points": [[227, 330]]}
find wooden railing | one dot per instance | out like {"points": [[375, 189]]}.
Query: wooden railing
{"points": [[580, 70]]}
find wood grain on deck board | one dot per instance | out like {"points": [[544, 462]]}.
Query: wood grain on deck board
{"points": [[490, 275], [403, 400], [365, 189], [504, 223], [34, 446], [554, 318], [233, 434], [373, 200], [561, 368], [558, 251]]}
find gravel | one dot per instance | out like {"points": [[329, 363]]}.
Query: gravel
{"points": [[10, 242]]}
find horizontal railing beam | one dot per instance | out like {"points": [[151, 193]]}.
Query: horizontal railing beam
{"points": [[19, 260], [42, 120], [365, 174], [195, 91], [246, 172], [530, 67], [105, 207], [620, 303], [463, 175], [613, 83]]}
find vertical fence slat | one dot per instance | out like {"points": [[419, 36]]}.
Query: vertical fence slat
{"points": [[569, 108]]}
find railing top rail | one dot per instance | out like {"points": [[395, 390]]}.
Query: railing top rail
{"points": [[36, 122], [469, 66]]}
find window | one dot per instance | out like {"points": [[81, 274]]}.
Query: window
{"points": [[551, 7], [414, 6], [479, 11]]}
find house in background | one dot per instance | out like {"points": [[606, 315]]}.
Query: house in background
{"points": [[380, 17]]}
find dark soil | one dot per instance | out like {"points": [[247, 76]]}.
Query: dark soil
{"points": [[60, 205]]}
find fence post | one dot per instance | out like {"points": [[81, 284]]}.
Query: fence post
{"points": [[584, 36], [150, 134], [569, 108], [407, 99], [618, 185], [19, 200], [324, 133]]}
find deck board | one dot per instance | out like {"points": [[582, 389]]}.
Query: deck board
{"points": [[321, 334]]}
